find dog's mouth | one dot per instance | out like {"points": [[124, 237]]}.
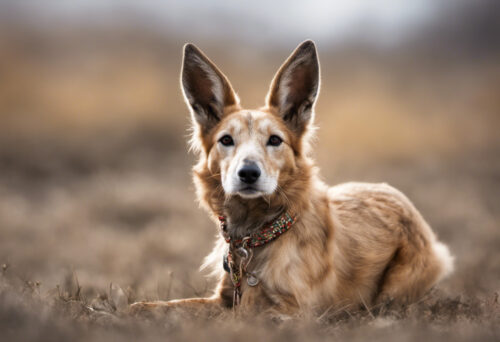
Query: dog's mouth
{"points": [[249, 192]]}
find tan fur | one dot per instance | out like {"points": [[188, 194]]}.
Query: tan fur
{"points": [[352, 245]]}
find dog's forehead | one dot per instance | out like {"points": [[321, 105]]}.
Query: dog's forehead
{"points": [[251, 121]]}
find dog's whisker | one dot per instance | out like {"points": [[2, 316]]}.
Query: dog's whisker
{"points": [[215, 175]]}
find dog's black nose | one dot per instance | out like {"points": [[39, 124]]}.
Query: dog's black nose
{"points": [[249, 173]]}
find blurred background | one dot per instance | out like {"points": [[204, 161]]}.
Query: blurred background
{"points": [[95, 173]]}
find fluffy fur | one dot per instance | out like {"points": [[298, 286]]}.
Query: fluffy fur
{"points": [[353, 245]]}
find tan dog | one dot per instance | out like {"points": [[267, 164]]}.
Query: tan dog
{"points": [[345, 246]]}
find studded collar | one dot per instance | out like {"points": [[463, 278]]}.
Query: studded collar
{"points": [[266, 234]]}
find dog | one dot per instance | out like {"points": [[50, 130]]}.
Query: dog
{"points": [[289, 243]]}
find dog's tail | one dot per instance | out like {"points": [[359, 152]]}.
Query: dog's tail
{"points": [[446, 259]]}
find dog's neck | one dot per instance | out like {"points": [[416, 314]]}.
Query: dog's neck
{"points": [[246, 216]]}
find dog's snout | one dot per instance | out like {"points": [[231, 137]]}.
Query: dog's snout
{"points": [[249, 173]]}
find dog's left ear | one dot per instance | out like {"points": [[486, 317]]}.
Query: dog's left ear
{"points": [[206, 90], [295, 87]]}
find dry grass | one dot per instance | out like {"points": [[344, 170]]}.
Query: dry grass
{"points": [[64, 313]]}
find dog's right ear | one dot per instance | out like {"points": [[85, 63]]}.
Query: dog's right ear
{"points": [[206, 90]]}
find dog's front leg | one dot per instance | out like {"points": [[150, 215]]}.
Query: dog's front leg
{"points": [[195, 306], [214, 305]]}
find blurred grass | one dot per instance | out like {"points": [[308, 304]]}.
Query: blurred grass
{"points": [[95, 174]]}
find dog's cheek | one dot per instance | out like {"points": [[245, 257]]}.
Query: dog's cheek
{"points": [[223, 169], [277, 165], [213, 161], [274, 164], [220, 163], [289, 168]]}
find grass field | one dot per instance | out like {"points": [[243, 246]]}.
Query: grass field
{"points": [[97, 208]]}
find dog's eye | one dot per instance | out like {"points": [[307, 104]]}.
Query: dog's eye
{"points": [[274, 140], [226, 140]]}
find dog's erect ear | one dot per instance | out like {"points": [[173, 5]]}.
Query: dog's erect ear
{"points": [[295, 87], [206, 90]]}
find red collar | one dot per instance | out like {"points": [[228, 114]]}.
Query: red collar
{"points": [[265, 235]]}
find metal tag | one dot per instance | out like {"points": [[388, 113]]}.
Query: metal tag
{"points": [[252, 280]]}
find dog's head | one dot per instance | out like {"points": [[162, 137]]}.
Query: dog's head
{"points": [[255, 152]]}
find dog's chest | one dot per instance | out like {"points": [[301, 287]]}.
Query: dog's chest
{"points": [[281, 274]]}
